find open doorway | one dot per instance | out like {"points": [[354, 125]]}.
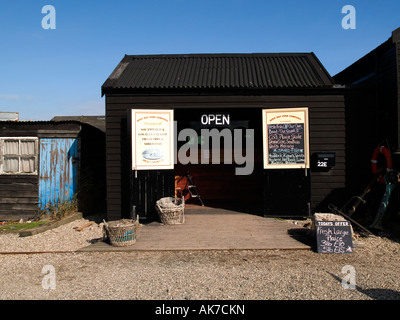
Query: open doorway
{"points": [[216, 174]]}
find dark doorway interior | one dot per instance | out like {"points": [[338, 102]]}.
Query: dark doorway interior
{"points": [[218, 184]]}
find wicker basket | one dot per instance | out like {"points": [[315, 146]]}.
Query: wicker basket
{"points": [[122, 232], [171, 210]]}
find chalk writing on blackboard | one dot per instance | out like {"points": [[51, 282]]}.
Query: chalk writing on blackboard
{"points": [[286, 143], [334, 237]]}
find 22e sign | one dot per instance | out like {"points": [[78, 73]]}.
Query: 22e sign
{"points": [[322, 164], [323, 161]]}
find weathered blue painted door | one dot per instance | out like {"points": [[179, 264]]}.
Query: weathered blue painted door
{"points": [[57, 170]]}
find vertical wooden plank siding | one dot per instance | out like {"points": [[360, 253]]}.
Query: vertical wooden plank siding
{"points": [[57, 170], [115, 114], [148, 187]]}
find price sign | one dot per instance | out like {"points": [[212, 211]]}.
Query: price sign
{"points": [[334, 237]]}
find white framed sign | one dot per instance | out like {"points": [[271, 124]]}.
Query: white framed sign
{"points": [[152, 139], [286, 138]]}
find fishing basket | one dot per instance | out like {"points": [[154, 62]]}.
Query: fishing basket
{"points": [[171, 210], [122, 232]]}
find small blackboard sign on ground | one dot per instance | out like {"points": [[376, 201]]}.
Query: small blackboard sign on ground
{"points": [[334, 237]]}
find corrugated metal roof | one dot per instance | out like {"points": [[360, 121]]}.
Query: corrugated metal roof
{"points": [[98, 122], [218, 71]]}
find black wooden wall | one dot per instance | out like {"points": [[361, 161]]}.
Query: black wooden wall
{"points": [[372, 100], [327, 133], [18, 197], [372, 115], [148, 187], [92, 171]]}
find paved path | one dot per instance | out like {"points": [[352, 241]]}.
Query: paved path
{"points": [[216, 229]]}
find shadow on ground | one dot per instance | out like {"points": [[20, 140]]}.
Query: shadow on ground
{"points": [[303, 235]]}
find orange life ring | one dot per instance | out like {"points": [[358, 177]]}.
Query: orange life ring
{"points": [[374, 161]]}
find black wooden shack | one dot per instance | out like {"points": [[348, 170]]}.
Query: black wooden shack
{"points": [[199, 88], [372, 108], [44, 163], [372, 98]]}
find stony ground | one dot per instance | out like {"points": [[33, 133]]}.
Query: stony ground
{"points": [[373, 269]]}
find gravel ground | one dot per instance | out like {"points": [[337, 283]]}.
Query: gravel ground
{"points": [[191, 275]]}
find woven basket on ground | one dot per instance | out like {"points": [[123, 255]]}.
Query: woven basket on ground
{"points": [[121, 232], [171, 210]]}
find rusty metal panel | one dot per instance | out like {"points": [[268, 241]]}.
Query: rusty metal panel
{"points": [[9, 116], [57, 170]]}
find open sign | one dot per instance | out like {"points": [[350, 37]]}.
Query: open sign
{"points": [[215, 119]]}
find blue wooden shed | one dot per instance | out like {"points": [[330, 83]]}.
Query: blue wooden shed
{"points": [[58, 170]]}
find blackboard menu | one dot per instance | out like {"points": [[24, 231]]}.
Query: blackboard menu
{"points": [[334, 237], [286, 143]]}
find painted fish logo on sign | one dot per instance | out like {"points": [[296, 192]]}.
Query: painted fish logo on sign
{"points": [[152, 154]]}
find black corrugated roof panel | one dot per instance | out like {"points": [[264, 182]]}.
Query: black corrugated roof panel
{"points": [[98, 122], [136, 73]]}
